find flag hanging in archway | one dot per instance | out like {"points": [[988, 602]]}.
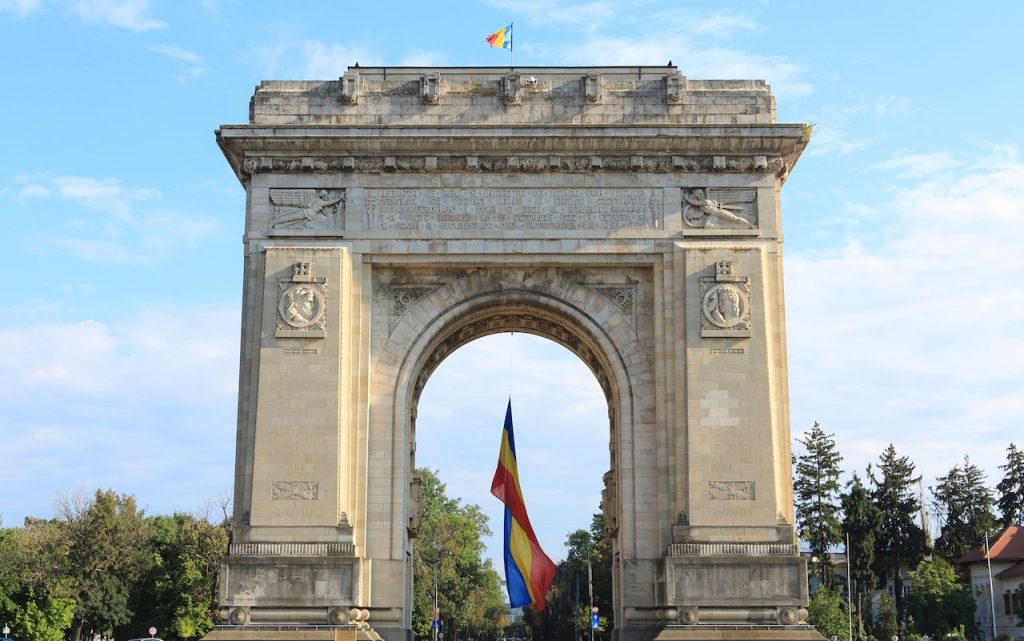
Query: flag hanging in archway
{"points": [[528, 571]]}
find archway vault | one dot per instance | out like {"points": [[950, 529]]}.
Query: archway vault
{"points": [[591, 321], [496, 300], [629, 214]]}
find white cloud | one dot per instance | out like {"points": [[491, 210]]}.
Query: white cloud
{"points": [[130, 233], [912, 338], [830, 139], [418, 58], [906, 164], [891, 106], [720, 26], [147, 402], [590, 15], [127, 14], [325, 61], [834, 131], [34, 191], [694, 60], [20, 8], [105, 195], [192, 64]]}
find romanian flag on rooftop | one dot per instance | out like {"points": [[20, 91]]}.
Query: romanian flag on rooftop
{"points": [[502, 38], [528, 571]]}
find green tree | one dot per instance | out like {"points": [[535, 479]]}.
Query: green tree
{"points": [[938, 601], [827, 613], [588, 563], [886, 625], [901, 541], [178, 594], [966, 505], [816, 496], [449, 545], [1011, 488], [10, 581], [92, 553], [34, 608], [862, 522]]}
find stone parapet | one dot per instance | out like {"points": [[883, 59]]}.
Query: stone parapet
{"points": [[392, 96]]}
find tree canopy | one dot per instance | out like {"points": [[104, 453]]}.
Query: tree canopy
{"points": [[938, 601], [816, 497], [965, 504], [901, 541], [1010, 488], [450, 568]]}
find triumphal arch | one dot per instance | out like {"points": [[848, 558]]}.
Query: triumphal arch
{"points": [[630, 214]]}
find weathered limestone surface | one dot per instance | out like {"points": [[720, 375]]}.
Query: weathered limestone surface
{"points": [[627, 213]]}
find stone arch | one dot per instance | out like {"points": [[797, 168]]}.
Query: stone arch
{"points": [[546, 302], [464, 202]]}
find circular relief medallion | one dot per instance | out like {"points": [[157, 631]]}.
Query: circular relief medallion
{"points": [[725, 306], [301, 306]]}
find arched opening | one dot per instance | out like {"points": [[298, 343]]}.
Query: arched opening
{"points": [[562, 438], [586, 328]]}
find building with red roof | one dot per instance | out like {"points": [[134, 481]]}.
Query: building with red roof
{"points": [[1007, 571]]}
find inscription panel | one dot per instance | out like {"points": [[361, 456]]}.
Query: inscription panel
{"points": [[503, 209]]}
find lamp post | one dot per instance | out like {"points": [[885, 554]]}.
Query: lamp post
{"points": [[7, 631], [436, 623]]}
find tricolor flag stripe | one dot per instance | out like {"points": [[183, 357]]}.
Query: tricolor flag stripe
{"points": [[528, 571], [502, 38]]}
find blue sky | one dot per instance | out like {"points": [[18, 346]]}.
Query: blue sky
{"points": [[123, 222]]}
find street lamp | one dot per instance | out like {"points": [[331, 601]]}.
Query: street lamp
{"points": [[436, 623], [7, 631]]}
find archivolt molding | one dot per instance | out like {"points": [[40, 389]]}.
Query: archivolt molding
{"points": [[545, 302], [549, 302]]}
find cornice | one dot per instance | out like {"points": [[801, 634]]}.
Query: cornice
{"points": [[254, 149]]}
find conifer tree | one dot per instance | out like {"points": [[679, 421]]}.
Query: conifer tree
{"points": [[901, 541], [1011, 488], [966, 506], [861, 524], [816, 495]]}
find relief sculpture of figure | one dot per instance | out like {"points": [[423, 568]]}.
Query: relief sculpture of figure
{"points": [[724, 306], [299, 209], [301, 306], [699, 202]]}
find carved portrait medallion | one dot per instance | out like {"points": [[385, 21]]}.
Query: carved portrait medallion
{"points": [[725, 306], [301, 306]]}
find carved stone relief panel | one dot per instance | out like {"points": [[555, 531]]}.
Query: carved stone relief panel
{"points": [[307, 210], [511, 88], [301, 304], [731, 490], [489, 209], [719, 209], [725, 303], [349, 88], [295, 491], [431, 88], [592, 88], [624, 297], [674, 88]]}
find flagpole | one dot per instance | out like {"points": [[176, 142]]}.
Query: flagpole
{"points": [[511, 45], [991, 590], [849, 587]]}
